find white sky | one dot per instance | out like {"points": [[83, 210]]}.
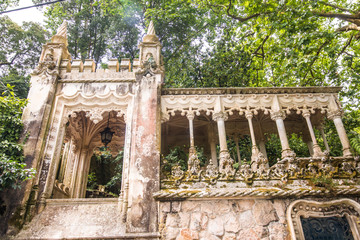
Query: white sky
{"points": [[31, 14]]}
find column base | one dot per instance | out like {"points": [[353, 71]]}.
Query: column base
{"points": [[288, 153], [347, 152]]}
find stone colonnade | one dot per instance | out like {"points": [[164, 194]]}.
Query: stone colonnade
{"points": [[278, 117]]}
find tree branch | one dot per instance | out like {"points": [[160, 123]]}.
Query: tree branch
{"points": [[337, 7], [315, 58], [243, 19], [348, 28]]}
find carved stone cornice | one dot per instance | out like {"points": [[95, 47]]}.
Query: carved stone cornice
{"points": [[248, 90]]}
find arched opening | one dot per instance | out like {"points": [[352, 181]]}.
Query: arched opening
{"points": [[87, 167]]}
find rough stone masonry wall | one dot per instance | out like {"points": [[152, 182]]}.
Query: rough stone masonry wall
{"points": [[224, 219]]}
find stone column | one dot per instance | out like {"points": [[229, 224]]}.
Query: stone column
{"points": [[212, 142], [236, 139], [193, 161], [316, 148], [279, 117], [321, 129], [81, 174], [190, 117], [226, 162], [336, 117], [254, 148], [306, 138]]}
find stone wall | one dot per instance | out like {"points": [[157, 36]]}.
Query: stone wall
{"points": [[224, 219]]}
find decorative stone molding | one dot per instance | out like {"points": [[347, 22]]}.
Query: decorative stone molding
{"points": [[337, 208], [261, 192]]}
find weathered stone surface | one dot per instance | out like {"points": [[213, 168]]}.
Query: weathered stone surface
{"points": [[246, 219], [184, 219], [277, 231], [216, 226], [231, 223], [172, 220], [195, 222], [229, 236], [280, 208], [188, 234], [264, 212], [171, 233], [190, 206], [75, 220]]}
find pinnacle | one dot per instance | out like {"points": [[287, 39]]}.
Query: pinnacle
{"points": [[151, 29]]}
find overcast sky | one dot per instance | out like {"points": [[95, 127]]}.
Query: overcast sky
{"points": [[31, 14]]}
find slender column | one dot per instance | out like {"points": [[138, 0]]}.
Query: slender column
{"points": [[236, 139], [336, 117], [220, 119], [309, 143], [212, 143], [190, 117], [321, 128], [254, 148], [316, 148], [279, 117], [80, 173], [193, 161], [226, 162], [261, 143]]}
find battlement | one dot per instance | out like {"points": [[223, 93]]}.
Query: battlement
{"points": [[79, 71]]}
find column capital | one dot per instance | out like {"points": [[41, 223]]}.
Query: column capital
{"points": [[306, 113], [249, 114], [334, 114], [277, 115], [219, 115], [190, 115]]}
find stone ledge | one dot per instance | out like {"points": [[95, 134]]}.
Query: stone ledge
{"points": [[84, 201], [262, 193]]}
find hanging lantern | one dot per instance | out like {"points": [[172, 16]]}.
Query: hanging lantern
{"points": [[107, 134]]}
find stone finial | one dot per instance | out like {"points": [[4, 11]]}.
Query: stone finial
{"points": [[151, 35], [151, 29], [62, 30], [61, 34]]}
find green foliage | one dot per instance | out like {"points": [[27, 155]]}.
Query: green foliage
{"points": [[95, 27], [178, 156], [12, 166], [273, 148], [106, 170], [20, 48], [322, 181]]}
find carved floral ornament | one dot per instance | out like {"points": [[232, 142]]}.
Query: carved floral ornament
{"points": [[338, 208]]}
